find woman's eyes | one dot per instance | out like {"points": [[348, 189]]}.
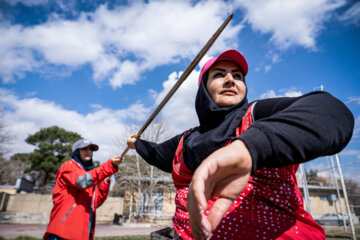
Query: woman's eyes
{"points": [[235, 76], [219, 74], [238, 76]]}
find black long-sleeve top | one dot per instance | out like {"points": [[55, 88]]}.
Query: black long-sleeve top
{"points": [[286, 130]]}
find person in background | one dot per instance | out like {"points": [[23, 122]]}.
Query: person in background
{"points": [[235, 173], [77, 193]]}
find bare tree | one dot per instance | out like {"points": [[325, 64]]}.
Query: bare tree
{"points": [[11, 170], [140, 179], [6, 137]]}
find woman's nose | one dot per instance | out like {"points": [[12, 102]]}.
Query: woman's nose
{"points": [[228, 78]]}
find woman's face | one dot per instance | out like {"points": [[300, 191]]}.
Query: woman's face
{"points": [[225, 84], [85, 153]]}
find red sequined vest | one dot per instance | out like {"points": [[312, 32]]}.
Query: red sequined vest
{"points": [[270, 206]]}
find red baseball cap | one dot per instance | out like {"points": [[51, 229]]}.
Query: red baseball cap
{"points": [[231, 55]]}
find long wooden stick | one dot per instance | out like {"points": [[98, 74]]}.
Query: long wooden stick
{"points": [[182, 77]]}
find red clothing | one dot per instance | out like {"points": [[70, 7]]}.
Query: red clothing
{"points": [[69, 218], [270, 206]]}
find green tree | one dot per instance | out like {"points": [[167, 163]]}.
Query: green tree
{"points": [[53, 147]]}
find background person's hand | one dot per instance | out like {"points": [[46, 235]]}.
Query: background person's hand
{"points": [[131, 141], [116, 160], [223, 174], [107, 180]]}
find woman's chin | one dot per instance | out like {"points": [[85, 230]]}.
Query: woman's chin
{"points": [[227, 103]]}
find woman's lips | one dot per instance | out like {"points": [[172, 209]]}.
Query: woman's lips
{"points": [[229, 92]]}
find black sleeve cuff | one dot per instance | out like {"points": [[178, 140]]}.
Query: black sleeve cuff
{"points": [[259, 146]]}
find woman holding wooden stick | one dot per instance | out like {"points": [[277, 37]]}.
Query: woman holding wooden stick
{"points": [[235, 173]]}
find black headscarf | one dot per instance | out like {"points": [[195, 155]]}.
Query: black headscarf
{"points": [[217, 126], [87, 165]]}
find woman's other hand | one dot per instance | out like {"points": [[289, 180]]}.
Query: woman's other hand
{"points": [[223, 174]]}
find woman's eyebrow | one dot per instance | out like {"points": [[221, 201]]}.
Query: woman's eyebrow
{"points": [[219, 69], [224, 70]]}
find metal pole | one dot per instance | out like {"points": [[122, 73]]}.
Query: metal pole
{"points": [[345, 196], [332, 177], [338, 191], [306, 191], [182, 78]]}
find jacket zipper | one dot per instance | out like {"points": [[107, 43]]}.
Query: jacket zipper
{"points": [[67, 214]]}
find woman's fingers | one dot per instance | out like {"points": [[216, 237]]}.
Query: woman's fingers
{"points": [[131, 141], [218, 211], [199, 193], [200, 225]]}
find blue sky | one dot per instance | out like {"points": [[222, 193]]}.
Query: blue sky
{"points": [[100, 68]]}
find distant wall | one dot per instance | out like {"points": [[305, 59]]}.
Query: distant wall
{"points": [[41, 205], [320, 207], [10, 190], [112, 205], [30, 203]]}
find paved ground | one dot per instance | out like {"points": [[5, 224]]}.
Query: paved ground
{"points": [[10, 231]]}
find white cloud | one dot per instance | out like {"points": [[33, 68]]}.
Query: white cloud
{"points": [[295, 22], [180, 112], [352, 15], [103, 126], [153, 93], [357, 127], [283, 93], [353, 100], [107, 127], [267, 68], [143, 36], [127, 73], [63, 41], [351, 152], [268, 94], [103, 66], [292, 93], [275, 58], [119, 43]]}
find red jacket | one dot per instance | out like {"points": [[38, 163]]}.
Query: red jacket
{"points": [[73, 196]]}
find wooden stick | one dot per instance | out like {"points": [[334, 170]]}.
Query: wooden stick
{"points": [[182, 78]]}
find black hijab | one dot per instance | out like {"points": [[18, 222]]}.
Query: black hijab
{"points": [[217, 126], [87, 165]]}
